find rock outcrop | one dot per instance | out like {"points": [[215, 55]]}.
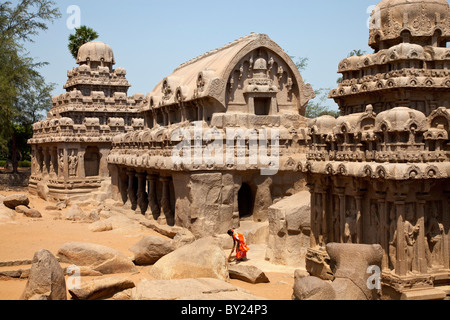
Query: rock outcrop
{"points": [[189, 289], [203, 258], [97, 257], [46, 280], [150, 249], [101, 288]]}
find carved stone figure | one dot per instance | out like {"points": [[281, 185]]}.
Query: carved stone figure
{"points": [[73, 164], [411, 234], [434, 233], [350, 224], [393, 238]]}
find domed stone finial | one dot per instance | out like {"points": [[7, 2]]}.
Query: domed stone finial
{"points": [[95, 51], [424, 22]]}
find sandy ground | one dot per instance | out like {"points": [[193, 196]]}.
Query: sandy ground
{"points": [[21, 239]]}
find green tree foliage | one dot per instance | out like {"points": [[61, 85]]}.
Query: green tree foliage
{"points": [[82, 35], [23, 92], [317, 107]]}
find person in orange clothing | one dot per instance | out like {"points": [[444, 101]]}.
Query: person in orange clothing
{"points": [[240, 244]]}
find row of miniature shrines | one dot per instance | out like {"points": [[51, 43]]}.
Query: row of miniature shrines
{"points": [[412, 227]]}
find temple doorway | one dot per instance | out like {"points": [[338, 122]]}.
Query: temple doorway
{"points": [[245, 201], [92, 162]]}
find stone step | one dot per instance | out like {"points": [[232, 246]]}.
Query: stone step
{"points": [[425, 294]]}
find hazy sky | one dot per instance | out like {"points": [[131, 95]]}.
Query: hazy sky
{"points": [[150, 38]]}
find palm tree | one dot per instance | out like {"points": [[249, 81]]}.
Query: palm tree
{"points": [[82, 35]]}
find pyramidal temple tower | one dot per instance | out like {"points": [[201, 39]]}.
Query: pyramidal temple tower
{"points": [[70, 147], [380, 174]]}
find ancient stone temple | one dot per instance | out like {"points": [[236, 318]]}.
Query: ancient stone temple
{"points": [[69, 148], [222, 139], [380, 174]]}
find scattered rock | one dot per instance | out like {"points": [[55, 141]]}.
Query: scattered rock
{"points": [[97, 257], [183, 238], [101, 288], [42, 190], [75, 213], [164, 230], [16, 200], [46, 279], [189, 289], [21, 209], [300, 273], [313, 288], [249, 274], [101, 226], [201, 259], [150, 249], [6, 215]]}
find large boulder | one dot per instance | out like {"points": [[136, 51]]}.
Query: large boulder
{"points": [[6, 215], [97, 257], [42, 190], [150, 249], [203, 258], [16, 200], [101, 288], [313, 288], [289, 229], [75, 213], [46, 280], [189, 289], [30, 213], [249, 274], [351, 263]]}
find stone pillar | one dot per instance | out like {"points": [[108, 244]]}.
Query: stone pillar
{"points": [[66, 163], [142, 197], [251, 105], [323, 228], [446, 235], [359, 235], [342, 214], [123, 185], [384, 230], [81, 169], [313, 234], [421, 264], [46, 165], [155, 210], [402, 261], [166, 216], [132, 197]]}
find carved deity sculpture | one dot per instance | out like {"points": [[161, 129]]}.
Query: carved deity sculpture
{"points": [[393, 239], [434, 234], [411, 233], [73, 164], [317, 218], [350, 225], [336, 220], [375, 225]]}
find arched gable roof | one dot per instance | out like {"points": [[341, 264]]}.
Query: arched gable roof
{"points": [[208, 74]]}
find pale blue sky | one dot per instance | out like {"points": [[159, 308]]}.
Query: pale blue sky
{"points": [[150, 38]]}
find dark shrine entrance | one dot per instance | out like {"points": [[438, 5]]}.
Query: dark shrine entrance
{"points": [[245, 201]]}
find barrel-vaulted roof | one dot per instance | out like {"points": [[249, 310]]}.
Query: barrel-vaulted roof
{"points": [[208, 74]]}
